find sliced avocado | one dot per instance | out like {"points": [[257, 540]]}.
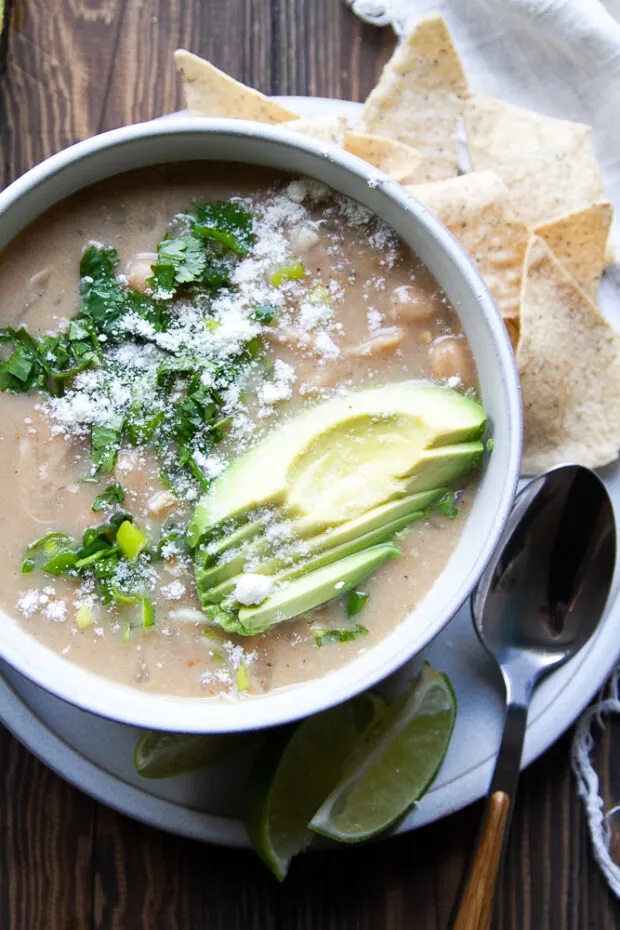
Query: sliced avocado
{"points": [[211, 576], [380, 534], [443, 465], [314, 589], [370, 520], [358, 445], [241, 534]]}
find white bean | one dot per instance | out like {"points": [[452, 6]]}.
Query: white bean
{"points": [[161, 501], [409, 307], [139, 269], [384, 342], [448, 359]]}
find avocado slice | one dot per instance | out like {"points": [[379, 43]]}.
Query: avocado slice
{"points": [[211, 576], [443, 465], [381, 534], [210, 550], [341, 458], [312, 590]]}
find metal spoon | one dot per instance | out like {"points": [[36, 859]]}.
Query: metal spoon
{"points": [[539, 600]]}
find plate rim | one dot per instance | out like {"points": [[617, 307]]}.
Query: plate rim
{"points": [[545, 727]]}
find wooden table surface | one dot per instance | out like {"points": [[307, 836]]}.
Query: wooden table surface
{"points": [[75, 68]]}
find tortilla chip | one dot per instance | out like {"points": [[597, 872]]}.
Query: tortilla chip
{"points": [[419, 98], [398, 160], [210, 92], [324, 128], [569, 362], [548, 164], [579, 241], [478, 211]]}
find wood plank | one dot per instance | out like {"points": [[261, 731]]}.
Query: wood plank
{"points": [[56, 77], [46, 842]]}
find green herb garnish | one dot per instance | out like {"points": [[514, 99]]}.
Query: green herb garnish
{"points": [[226, 222], [264, 314], [112, 495], [99, 557], [44, 364], [356, 602], [447, 505], [288, 273], [344, 635], [148, 613]]}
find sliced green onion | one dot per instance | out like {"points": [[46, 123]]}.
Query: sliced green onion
{"points": [[84, 617], [242, 679], [122, 597], [131, 540], [329, 637], [356, 602], [148, 614], [288, 273]]}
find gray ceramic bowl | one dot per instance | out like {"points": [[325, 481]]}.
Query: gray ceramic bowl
{"points": [[186, 139]]}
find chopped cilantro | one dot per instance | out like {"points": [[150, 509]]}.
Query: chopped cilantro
{"points": [[343, 635], [226, 222], [104, 445], [113, 494], [44, 364], [175, 406], [447, 505], [264, 314], [179, 261], [98, 557]]}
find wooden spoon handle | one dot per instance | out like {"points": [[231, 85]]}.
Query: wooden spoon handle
{"points": [[476, 907]]}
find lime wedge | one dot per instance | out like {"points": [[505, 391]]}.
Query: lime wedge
{"points": [[396, 767], [163, 755], [295, 771]]}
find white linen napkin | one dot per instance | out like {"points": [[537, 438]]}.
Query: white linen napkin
{"points": [[562, 58]]}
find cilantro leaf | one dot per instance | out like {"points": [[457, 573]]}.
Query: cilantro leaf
{"points": [[104, 301], [43, 364], [98, 557], [447, 505], [104, 445], [264, 314], [113, 494], [179, 261], [226, 222]]}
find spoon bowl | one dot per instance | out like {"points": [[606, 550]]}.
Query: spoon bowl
{"points": [[543, 592], [539, 600]]}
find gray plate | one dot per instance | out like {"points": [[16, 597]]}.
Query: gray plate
{"points": [[95, 754]]}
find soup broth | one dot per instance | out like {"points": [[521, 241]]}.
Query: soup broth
{"points": [[325, 300]]}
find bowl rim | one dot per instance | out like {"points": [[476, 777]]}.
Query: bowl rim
{"points": [[106, 697]]}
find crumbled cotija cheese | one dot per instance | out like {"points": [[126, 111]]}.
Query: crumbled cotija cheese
{"points": [[252, 589]]}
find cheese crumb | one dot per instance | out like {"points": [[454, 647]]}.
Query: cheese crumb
{"points": [[173, 591], [252, 589]]}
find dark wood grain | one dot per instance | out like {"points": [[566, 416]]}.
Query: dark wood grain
{"points": [[76, 67], [46, 846]]}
